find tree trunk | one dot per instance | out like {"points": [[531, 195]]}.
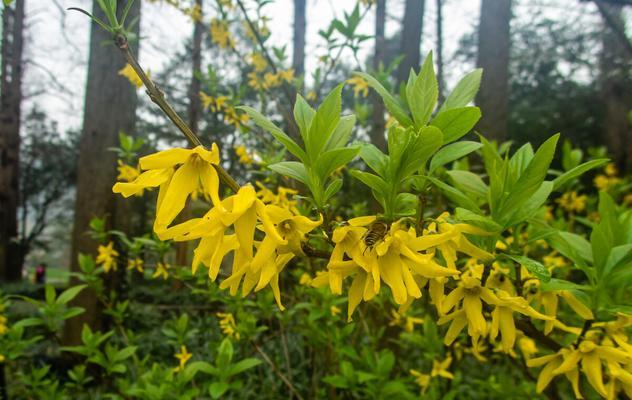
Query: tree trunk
{"points": [[616, 89], [10, 102], [193, 114], [298, 54], [493, 57], [411, 38], [110, 107], [439, 57], [377, 131]]}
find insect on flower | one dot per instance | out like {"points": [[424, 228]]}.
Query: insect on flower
{"points": [[376, 232]]}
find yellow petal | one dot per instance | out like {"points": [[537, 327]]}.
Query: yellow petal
{"points": [[145, 180], [455, 328], [184, 181], [592, 368], [473, 308], [362, 221], [165, 159], [507, 328], [355, 293], [210, 183], [546, 375], [577, 306]]}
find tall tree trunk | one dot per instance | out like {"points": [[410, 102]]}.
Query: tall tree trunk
{"points": [[493, 57], [377, 130], [439, 25], [10, 101], [616, 89], [298, 54], [411, 38], [193, 113], [110, 107]]}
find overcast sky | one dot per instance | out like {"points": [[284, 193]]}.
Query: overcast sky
{"points": [[58, 41]]}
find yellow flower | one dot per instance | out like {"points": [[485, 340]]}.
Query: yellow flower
{"points": [[137, 264], [183, 356], [3, 325], [590, 355], [194, 169], [391, 255], [287, 75], [107, 257], [271, 80], [162, 269], [254, 81], [611, 170], [311, 96], [206, 100], [281, 198], [232, 118], [127, 173], [194, 12], [228, 325], [360, 86], [131, 75], [603, 182], [258, 62], [407, 323], [334, 310], [440, 368], [220, 34], [243, 155], [305, 279], [527, 347], [571, 202], [422, 380]]}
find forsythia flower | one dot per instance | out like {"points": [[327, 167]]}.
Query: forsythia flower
{"points": [[360, 86], [440, 368], [334, 310], [228, 325], [287, 75], [183, 356], [194, 169], [281, 199], [127, 173], [258, 62], [243, 155], [373, 251], [107, 257], [603, 182], [194, 12], [220, 34], [571, 202], [254, 81], [407, 323], [162, 269], [137, 264], [422, 380], [590, 355], [131, 75]]}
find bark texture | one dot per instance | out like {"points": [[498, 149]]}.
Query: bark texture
{"points": [[411, 38], [110, 107], [11, 254], [298, 54], [493, 57], [377, 131]]}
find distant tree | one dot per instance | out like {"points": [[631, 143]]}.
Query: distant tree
{"points": [[493, 57], [47, 176], [615, 80], [411, 38], [298, 54], [10, 113], [110, 107], [439, 55], [379, 59]]}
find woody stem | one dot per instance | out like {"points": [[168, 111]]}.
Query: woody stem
{"points": [[159, 99]]}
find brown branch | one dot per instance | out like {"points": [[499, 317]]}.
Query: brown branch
{"points": [[527, 327], [612, 24], [159, 99], [315, 253], [276, 370]]}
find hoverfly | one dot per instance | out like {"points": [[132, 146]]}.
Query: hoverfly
{"points": [[376, 232]]}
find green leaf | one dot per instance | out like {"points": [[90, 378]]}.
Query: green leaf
{"points": [[7, 2], [303, 115], [533, 266], [452, 152], [217, 389], [332, 188], [373, 181], [464, 92], [70, 294], [292, 169], [125, 353], [50, 294], [342, 133], [331, 160], [560, 284], [392, 104], [225, 353], [455, 195], [456, 122], [324, 123], [243, 365], [577, 171], [478, 220], [532, 205], [275, 131], [422, 98], [374, 158], [469, 182], [530, 180]]}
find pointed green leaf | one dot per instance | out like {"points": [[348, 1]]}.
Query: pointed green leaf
{"points": [[452, 152], [422, 97], [456, 122], [392, 104], [464, 92], [292, 169]]}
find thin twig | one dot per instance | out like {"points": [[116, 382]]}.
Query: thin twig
{"points": [[276, 370], [158, 97]]}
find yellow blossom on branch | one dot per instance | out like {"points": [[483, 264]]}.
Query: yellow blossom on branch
{"points": [[220, 34], [183, 356], [107, 257], [136, 263], [162, 269], [258, 61], [228, 325], [131, 75], [360, 86], [572, 202]]}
